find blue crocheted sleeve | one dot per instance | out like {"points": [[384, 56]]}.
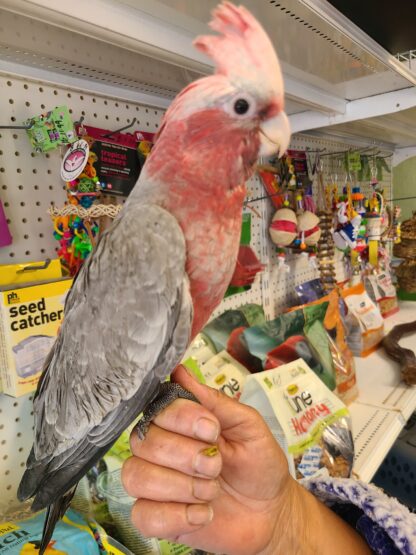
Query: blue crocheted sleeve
{"points": [[387, 526]]}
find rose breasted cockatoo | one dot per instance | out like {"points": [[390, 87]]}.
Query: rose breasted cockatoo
{"points": [[163, 266]]}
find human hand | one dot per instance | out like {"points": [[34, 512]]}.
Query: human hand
{"points": [[212, 476], [229, 499]]}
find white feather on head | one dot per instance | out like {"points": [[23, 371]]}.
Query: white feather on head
{"points": [[243, 51]]}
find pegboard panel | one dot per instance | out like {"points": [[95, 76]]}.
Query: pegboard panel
{"points": [[282, 292], [29, 182], [16, 434], [333, 166]]}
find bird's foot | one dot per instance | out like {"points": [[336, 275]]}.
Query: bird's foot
{"points": [[168, 392]]}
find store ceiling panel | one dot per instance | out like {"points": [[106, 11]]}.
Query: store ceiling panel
{"points": [[392, 26]]}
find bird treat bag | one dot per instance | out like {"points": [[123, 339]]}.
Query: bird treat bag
{"points": [[307, 420], [363, 321]]}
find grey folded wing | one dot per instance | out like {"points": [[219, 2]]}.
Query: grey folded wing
{"points": [[127, 324]]}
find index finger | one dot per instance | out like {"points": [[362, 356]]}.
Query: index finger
{"points": [[238, 422], [189, 419]]}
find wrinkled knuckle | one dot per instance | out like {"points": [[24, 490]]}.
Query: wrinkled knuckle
{"points": [[176, 417], [152, 523], [128, 474], [162, 521], [135, 442], [219, 395], [140, 520], [192, 487], [147, 476], [171, 415], [254, 415]]}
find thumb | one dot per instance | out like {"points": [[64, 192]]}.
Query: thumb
{"points": [[242, 422]]}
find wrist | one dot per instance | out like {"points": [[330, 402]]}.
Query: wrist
{"points": [[291, 532], [305, 526]]}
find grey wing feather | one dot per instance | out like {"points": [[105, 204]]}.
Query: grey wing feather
{"points": [[127, 324]]}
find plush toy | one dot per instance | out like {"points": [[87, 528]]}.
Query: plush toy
{"points": [[346, 235], [283, 229], [308, 228], [342, 213]]}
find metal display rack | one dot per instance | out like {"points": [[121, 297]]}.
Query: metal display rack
{"points": [[89, 57]]}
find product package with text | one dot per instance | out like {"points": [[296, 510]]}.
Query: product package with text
{"points": [[30, 317], [307, 419]]}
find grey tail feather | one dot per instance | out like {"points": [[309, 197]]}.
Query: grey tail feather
{"points": [[54, 512], [30, 481]]}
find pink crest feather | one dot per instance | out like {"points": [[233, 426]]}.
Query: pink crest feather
{"points": [[242, 51]]}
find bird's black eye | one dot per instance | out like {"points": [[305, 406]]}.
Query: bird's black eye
{"points": [[241, 106]]}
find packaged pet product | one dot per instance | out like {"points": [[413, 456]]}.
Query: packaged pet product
{"points": [[225, 333], [12, 275], [380, 287], [30, 316], [221, 372], [342, 358], [73, 535], [308, 421], [120, 505], [293, 335], [217, 332], [363, 321], [309, 291]]}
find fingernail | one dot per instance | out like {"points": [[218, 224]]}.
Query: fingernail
{"points": [[210, 451], [189, 372], [208, 462], [206, 430], [199, 514]]}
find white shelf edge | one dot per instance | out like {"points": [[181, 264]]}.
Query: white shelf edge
{"points": [[366, 466], [356, 110]]}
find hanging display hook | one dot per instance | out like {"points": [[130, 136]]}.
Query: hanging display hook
{"points": [[121, 129], [29, 126], [14, 126], [34, 267]]}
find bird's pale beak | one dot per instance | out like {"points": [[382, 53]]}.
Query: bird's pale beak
{"points": [[274, 135]]}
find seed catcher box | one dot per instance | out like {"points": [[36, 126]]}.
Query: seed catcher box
{"points": [[30, 317]]}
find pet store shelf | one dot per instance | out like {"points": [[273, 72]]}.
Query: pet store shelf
{"points": [[374, 431], [142, 50], [384, 403]]}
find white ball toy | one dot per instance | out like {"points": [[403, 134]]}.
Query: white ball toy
{"points": [[283, 229]]}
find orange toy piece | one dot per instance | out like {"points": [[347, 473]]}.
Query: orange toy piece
{"points": [[272, 187], [32, 548]]}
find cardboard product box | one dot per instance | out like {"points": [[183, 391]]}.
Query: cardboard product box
{"points": [[30, 316], [13, 275]]}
